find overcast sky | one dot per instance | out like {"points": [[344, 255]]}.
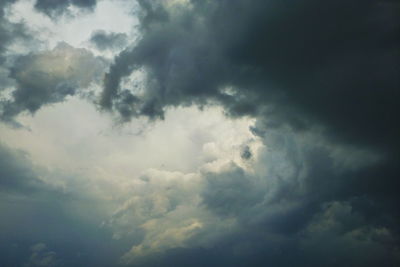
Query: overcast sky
{"points": [[202, 133]]}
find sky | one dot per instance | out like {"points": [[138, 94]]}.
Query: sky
{"points": [[234, 133]]}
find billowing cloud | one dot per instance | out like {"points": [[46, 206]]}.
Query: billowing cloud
{"points": [[302, 169], [49, 77], [321, 80], [305, 63], [304, 198]]}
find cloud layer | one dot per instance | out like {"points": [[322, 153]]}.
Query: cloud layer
{"points": [[307, 71], [300, 170]]}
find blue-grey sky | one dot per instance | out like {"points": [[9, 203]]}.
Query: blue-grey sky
{"points": [[199, 133]]}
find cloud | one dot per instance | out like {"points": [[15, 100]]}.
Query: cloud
{"points": [[103, 40], [303, 64], [318, 187], [40, 212], [301, 195], [42, 257], [57, 8], [49, 77], [162, 207], [17, 173], [246, 153], [301, 204], [320, 79], [9, 32]]}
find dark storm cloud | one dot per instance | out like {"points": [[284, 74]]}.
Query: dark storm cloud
{"points": [[55, 8], [310, 202], [302, 63], [322, 81], [49, 77], [227, 194], [304, 205], [103, 40], [329, 70], [325, 243]]}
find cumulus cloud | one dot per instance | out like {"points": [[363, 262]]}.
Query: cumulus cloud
{"points": [[313, 183], [302, 198], [321, 80], [162, 211], [49, 77]]}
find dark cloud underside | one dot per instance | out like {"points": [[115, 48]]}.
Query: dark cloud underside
{"points": [[329, 70], [302, 63]]}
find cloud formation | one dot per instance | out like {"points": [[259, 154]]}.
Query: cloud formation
{"points": [[322, 81], [302, 63], [49, 77], [103, 40], [57, 8], [313, 181], [9, 32]]}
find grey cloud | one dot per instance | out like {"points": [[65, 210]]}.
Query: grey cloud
{"points": [[312, 202], [246, 153], [9, 32], [300, 207], [49, 77], [160, 212], [333, 238], [229, 193], [36, 212], [55, 8], [295, 63], [322, 81], [41, 256], [325, 70], [112, 40], [16, 172]]}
